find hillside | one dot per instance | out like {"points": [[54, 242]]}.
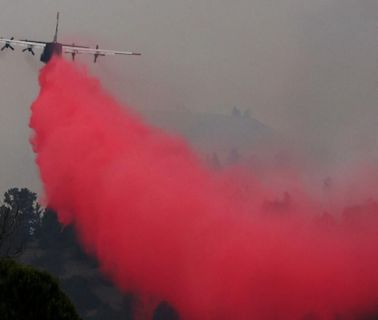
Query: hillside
{"points": [[213, 132]]}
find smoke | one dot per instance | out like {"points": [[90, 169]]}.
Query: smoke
{"points": [[215, 245]]}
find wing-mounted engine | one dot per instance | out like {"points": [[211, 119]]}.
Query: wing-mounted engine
{"points": [[97, 54], [29, 48], [74, 52], [8, 45]]}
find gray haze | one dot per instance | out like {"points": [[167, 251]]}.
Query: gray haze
{"points": [[306, 68]]}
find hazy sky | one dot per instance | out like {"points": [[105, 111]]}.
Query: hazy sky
{"points": [[308, 68]]}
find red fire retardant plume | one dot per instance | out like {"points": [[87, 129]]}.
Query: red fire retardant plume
{"points": [[214, 245]]}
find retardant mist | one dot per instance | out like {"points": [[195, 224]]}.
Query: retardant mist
{"points": [[215, 245]]}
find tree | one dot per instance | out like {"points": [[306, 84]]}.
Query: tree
{"points": [[247, 114], [236, 112], [233, 156], [214, 161], [26, 293], [165, 312], [20, 216]]}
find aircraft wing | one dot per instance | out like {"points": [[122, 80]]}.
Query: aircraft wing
{"points": [[96, 51], [9, 43]]}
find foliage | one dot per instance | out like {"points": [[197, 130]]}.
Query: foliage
{"points": [[79, 289], [165, 312], [26, 293], [20, 216]]}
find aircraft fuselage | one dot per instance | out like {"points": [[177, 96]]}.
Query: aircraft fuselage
{"points": [[51, 49]]}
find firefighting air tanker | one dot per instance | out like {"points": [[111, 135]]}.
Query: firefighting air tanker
{"points": [[56, 48]]}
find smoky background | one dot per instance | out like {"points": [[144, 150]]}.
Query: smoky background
{"points": [[304, 69]]}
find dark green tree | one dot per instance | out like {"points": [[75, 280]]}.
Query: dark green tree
{"points": [[26, 293], [20, 216], [214, 161], [233, 156], [164, 311]]}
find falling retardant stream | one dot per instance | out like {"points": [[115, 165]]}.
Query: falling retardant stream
{"points": [[215, 245]]}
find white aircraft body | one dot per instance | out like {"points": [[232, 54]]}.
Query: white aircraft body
{"points": [[49, 49]]}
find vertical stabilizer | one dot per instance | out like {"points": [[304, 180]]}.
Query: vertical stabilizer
{"points": [[57, 26]]}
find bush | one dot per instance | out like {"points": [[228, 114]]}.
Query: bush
{"points": [[26, 293]]}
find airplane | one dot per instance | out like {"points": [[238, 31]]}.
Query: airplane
{"points": [[56, 48]]}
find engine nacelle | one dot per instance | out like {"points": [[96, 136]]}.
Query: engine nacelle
{"points": [[7, 45]]}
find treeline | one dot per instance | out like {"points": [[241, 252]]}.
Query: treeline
{"points": [[32, 235]]}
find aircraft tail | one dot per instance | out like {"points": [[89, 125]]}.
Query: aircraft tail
{"points": [[57, 26]]}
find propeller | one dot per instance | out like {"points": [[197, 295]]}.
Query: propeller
{"points": [[7, 45], [73, 53], [29, 49], [96, 55]]}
